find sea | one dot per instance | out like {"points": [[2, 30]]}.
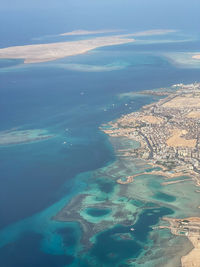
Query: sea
{"points": [[71, 99]]}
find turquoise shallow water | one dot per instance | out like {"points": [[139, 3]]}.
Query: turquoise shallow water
{"points": [[39, 178]]}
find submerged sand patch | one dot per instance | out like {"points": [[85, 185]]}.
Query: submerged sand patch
{"points": [[13, 137]]}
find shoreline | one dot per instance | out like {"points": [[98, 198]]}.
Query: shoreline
{"points": [[165, 131], [167, 134]]}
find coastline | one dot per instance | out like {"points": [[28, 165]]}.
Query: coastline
{"points": [[153, 116]]}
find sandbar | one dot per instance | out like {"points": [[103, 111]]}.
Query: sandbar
{"points": [[86, 32], [141, 33], [151, 32]]}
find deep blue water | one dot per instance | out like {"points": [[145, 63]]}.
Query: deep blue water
{"points": [[25, 252], [51, 98], [35, 176]]}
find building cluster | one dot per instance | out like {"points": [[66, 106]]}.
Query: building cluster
{"points": [[187, 227], [153, 135]]}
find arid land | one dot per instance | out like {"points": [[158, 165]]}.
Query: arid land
{"points": [[189, 227], [52, 51], [168, 132]]}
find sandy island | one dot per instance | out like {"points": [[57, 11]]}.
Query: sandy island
{"points": [[196, 57], [48, 52]]}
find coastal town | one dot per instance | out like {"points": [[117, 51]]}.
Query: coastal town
{"points": [[168, 131], [168, 134]]}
